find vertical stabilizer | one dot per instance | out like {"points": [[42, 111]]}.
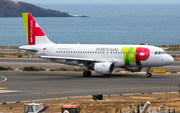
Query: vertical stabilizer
{"points": [[34, 33]]}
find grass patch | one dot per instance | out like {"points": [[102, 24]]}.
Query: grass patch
{"points": [[121, 94], [159, 99], [60, 69], [15, 54], [5, 68], [142, 93], [18, 102], [1, 55], [173, 49], [31, 68], [173, 71], [4, 103], [9, 47], [19, 56], [150, 92]]}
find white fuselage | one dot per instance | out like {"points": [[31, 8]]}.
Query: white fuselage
{"points": [[109, 53]]}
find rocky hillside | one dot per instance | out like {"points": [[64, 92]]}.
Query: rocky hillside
{"points": [[15, 9]]}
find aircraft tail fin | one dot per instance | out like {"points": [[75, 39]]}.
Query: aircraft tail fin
{"points": [[34, 33]]}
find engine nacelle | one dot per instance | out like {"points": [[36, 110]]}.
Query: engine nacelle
{"points": [[133, 69], [104, 68]]}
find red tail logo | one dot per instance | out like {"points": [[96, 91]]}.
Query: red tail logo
{"points": [[33, 30]]}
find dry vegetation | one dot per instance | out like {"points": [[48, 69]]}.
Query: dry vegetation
{"points": [[110, 104], [9, 47], [176, 57]]}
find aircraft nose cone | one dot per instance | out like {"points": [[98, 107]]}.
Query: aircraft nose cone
{"points": [[170, 60]]}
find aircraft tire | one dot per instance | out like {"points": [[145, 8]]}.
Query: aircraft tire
{"points": [[148, 75], [87, 73]]}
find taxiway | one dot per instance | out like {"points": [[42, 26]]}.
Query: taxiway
{"points": [[44, 85]]}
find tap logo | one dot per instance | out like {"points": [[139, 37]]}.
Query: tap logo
{"points": [[33, 30], [135, 55]]}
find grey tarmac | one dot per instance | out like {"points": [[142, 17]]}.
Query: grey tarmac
{"points": [[44, 85], [23, 62]]}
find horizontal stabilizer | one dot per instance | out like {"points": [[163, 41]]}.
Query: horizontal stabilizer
{"points": [[28, 49]]}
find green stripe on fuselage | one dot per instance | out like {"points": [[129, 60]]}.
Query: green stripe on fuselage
{"points": [[129, 54]]}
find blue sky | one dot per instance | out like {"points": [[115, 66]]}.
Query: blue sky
{"points": [[101, 1]]}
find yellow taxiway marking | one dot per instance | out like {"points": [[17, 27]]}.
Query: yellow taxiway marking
{"points": [[3, 88], [110, 89], [5, 79]]}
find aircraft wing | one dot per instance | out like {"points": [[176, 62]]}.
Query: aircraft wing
{"points": [[77, 59], [68, 58]]}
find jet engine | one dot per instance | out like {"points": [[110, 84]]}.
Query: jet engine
{"points": [[104, 68], [133, 69]]}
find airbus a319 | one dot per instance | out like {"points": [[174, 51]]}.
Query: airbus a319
{"points": [[102, 59]]}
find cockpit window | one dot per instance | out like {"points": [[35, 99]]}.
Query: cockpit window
{"points": [[155, 53], [163, 52], [160, 52]]}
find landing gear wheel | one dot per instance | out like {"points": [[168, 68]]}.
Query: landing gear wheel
{"points": [[148, 75], [87, 73]]}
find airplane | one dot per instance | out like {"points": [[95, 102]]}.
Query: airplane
{"points": [[103, 59]]}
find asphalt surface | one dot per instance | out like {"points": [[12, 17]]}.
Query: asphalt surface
{"points": [[44, 85]]}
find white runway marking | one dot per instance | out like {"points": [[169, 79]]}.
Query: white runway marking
{"points": [[5, 79], [8, 91]]}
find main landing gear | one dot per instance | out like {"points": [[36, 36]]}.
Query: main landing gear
{"points": [[148, 74], [87, 73]]}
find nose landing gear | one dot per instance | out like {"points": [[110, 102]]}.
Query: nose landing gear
{"points": [[148, 73]]}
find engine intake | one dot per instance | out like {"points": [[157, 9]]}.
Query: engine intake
{"points": [[104, 68]]}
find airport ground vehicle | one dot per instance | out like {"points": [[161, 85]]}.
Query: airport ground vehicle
{"points": [[70, 109]]}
